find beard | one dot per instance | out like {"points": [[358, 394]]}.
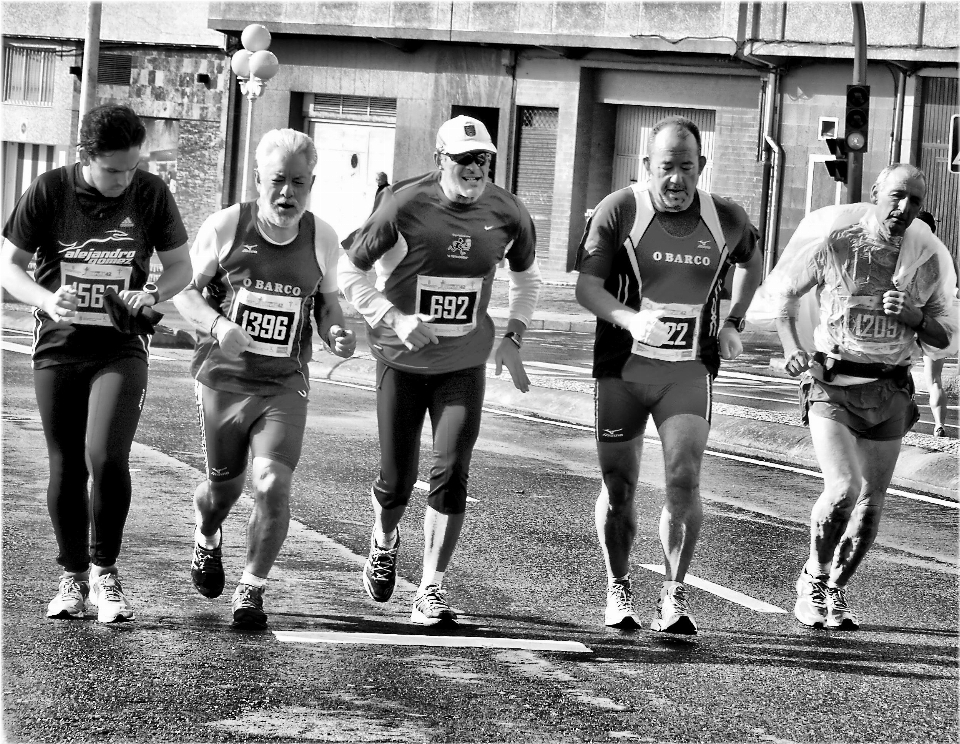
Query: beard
{"points": [[283, 218]]}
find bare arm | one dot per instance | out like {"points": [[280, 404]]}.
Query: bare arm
{"points": [[331, 329], [60, 305], [746, 280]]}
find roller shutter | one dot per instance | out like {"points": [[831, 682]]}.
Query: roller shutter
{"points": [[939, 103], [536, 165]]}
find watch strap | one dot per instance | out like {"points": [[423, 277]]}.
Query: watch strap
{"points": [[736, 322], [515, 337]]}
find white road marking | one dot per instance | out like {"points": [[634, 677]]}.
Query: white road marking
{"points": [[18, 348], [561, 367], [21, 349], [724, 455], [815, 474], [396, 639], [721, 591], [424, 486]]}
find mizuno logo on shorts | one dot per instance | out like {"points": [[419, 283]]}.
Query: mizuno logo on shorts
{"points": [[613, 432], [218, 471]]}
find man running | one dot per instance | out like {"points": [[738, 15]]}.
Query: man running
{"points": [[883, 284], [435, 241], [92, 228], [260, 269], [652, 264]]}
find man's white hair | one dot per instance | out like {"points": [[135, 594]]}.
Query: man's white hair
{"points": [[289, 141]]}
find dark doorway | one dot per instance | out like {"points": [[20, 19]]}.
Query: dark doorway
{"points": [[491, 120]]}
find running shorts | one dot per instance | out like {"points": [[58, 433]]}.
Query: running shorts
{"points": [[622, 407], [231, 424], [880, 410]]}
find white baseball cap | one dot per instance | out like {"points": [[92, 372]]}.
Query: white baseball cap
{"points": [[464, 134]]}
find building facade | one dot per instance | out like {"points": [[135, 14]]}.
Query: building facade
{"points": [[569, 91], [158, 58]]}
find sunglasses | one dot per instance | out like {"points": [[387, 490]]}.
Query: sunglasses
{"points": [[466, 158]]}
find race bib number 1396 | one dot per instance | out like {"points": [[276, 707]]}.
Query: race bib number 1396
{"points": [[271, 321]]}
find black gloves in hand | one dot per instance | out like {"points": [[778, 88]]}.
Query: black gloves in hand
{"points": [[139, 321]]}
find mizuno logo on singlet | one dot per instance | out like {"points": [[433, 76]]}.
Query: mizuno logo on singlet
{"points": [[705, 244], [248, 249], [127, 222]]}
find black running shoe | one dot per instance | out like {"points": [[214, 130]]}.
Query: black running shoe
{"points": [[248, 607], [380, 571], [206, 570]]}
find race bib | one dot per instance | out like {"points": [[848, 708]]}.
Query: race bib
{"points": [[683, 323], [271, 321], [91, 282], [867, 329], [452, 303]]}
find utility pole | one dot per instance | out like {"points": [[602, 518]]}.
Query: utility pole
{"points": [[855, 157], [91, 61]]}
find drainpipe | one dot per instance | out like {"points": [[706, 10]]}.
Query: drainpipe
{"points": [[769, 147], [896, 135], [770, 185], [770, 239]]}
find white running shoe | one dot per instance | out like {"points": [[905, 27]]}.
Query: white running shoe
{"points": [[106, 594], [811, 606], [673, 612], [71, 600], [839, 614], [431, 608], [620, 612]]}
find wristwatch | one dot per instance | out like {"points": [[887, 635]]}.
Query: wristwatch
{"points": [[515, 337], [736, 322], [151, 288]]}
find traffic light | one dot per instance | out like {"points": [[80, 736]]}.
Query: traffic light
{"points": [[837, 168], [858, 117]]}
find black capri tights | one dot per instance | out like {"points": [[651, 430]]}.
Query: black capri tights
{"points": [[90, 413], [454, 401]]}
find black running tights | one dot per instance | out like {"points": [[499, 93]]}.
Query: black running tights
{"points": [[90, 413]]}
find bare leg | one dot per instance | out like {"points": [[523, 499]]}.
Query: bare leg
{"points": [[440, 535], [938, 399], [270, 517], [615, 513], [684, 439], [878, 460], [212, 502]]}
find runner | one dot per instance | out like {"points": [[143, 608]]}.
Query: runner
{"points": [[91, 228], [435, 242], [883, 285], [260, 269], [652, 264]]}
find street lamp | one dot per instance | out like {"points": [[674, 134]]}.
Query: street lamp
{"points": [[254, 66]]}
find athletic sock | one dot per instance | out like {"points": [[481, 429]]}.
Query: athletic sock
{"points": [[385, 541], [668, 585], [817, 570], [625, 580], [98, 571], [251, 580], [431, 578], [78, 575], [208, 541]]}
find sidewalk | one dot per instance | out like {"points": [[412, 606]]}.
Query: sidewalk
{"points": [[926, 464]]}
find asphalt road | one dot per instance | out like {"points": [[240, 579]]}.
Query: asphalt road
{"points": [[531, 661]]}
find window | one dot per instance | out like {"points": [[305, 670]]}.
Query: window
{"points": [[28, 75]]}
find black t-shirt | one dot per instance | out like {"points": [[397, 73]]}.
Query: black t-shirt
{"points": [[81, 237]]}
